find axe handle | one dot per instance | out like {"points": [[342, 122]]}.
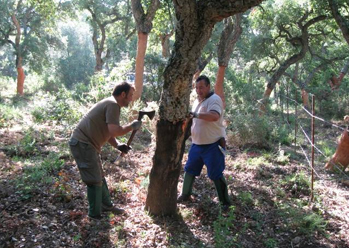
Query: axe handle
{"points": [[134, 131], [131, 137]]}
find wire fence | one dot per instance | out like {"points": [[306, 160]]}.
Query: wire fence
{"points": [[308, 137]]}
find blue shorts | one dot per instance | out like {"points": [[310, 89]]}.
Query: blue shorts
{"points": [[210, 155]]}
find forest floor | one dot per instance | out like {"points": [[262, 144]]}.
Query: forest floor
{"points": [[269, 190]]}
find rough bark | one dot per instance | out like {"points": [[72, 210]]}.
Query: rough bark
{"points": [[144, 26], [304, 43], [165, 44], [229, 37], [341, 21], [201, 64], [334, 81], [196, 20], [99, 34]]}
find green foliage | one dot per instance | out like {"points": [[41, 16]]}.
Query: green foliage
{"points": [[223, 228], [301, 222], [59, 107], [76, 64], [8, 114], [36, 173], [246, 128], [245, 198], [296, 183], [270, 243]]}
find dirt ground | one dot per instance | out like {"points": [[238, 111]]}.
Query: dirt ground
{"points": [[268, 210]]}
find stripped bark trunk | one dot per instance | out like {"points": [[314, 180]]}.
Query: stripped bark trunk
{"points": [[144, 26], [229, 37], [218, 88], [19, 59], [139, 70]]}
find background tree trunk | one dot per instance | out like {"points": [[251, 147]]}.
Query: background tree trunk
{"points": [[139, 70], [17, 45], [144, 26], [218, 88], [195, 23], [229, 37], [304, 43], [341, 21]]}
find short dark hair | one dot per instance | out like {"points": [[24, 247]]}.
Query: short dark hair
{"points": [[203, 78], [122, 87]]}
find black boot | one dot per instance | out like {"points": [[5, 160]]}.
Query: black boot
{"points": [[107, 205], [187, 187], [222, 191], [94, 196]]}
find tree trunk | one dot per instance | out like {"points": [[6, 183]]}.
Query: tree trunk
{"points": [[144, 26], [230, 35], [162, 192], [196, 20], [340, 20], [293, 59], [19, 59], [165, 44], [218, 88], [201, 64], [20, 80], [141, 48]]}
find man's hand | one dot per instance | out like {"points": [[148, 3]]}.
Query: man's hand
{"points": [[194, 114], [136, 125], [124, 148]]}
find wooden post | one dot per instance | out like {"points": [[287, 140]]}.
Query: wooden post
{"points": [[312, 147], [287, 102], [295, 121]]}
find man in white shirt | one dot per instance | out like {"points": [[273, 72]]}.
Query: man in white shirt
{"points": [[207, 133]]}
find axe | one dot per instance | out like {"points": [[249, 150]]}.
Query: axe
{"points": [[141, 113]]}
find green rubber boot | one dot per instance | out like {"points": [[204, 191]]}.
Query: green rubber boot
{"points": [[107, 204], [187, 187], [94, 196], [106, 199], [222, 191]]}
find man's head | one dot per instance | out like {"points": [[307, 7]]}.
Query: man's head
{"points": [[202, 86], [123, 93]]}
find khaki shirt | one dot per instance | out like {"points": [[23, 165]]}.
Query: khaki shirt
{"points": [[93, 127]]}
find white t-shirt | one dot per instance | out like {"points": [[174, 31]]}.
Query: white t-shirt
{"points": [[208, 132]]}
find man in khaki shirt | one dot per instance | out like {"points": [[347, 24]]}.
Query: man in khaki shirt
{"points": [[99, 126]]}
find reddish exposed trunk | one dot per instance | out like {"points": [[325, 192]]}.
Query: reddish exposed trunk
{"points": [[229, 37], [305, 98], [141, 48], [144, 26], [341, 156], [20, 80], [218, 88]]}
